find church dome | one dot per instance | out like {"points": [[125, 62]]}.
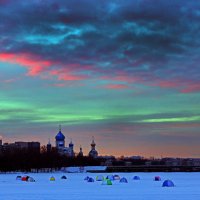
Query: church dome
{"points": [[60, 136], [93, 153]]}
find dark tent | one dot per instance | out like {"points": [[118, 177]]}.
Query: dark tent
{"points": [[63, 177], [157, 178], [90, 180], [136, 178], [86, 178]]}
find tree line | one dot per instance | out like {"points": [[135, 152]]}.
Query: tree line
{"points": [[26, 160]]}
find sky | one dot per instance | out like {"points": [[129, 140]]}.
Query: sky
{"points": [[125, 72]]}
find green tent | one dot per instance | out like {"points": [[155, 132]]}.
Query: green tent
{"points": [[107, 182], [99, 178]]}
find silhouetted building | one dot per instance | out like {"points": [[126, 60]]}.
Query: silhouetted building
{"points": [[30, 146], [34, 146], [49, 147], [93, 152], [80, 154]]}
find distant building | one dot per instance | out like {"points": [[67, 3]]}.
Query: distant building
{"points": [[49, 147], [80, 154], [93, 152], [20, 145], [60, 140], [34, 146], [30, 146], [60, 145]]}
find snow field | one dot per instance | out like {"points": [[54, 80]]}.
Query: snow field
{"points": [[187, 186]]}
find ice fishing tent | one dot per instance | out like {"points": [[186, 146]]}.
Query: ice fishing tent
{"points": [[25, 178], [116, 177], [90, 180], [107, 182], [123, 180], [136, 178], [168, 183], [111, 177], [31, 179], [157, 178], [86, 178], [19, 178], [100, 178], [63, 177], [52, 179]]}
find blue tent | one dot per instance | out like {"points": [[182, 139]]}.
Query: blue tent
{"points": [[86, 178], [111, 177], [136, 178], [123, 180], [168, 183], [116, 177], [90, 180]]}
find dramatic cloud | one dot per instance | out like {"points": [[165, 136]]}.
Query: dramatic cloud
{"points": [[153, 42], [121, 69]]}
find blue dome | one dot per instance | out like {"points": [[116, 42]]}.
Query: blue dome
{"points": [[60, 136]]}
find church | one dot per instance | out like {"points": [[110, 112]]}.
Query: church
{"points": [[60, 144], [69, 151]]}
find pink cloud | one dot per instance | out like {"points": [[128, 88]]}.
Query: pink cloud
{"points": [[167, 83], [184, 86], [195, 87], [36, 66], [33, 63], [123, 77], [116, 86], [67, 75]]}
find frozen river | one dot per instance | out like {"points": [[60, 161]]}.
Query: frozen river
{"points": [[187, 186]]}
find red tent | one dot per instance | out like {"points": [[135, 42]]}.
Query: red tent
{"points": [[25, 178]]}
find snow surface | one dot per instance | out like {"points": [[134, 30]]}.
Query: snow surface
{"points": [[84, 169], [187, 186]]}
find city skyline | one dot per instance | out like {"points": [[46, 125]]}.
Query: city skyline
{"points": [[125, 72]]}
